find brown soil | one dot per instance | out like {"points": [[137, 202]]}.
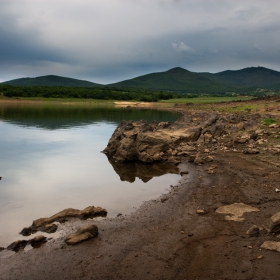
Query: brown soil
{"points": [[168, 238]]}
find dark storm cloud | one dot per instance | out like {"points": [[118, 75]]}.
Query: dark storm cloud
{"points": [[110, 40]]}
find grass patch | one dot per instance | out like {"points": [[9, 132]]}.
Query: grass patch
{"points": [[268, 121]]}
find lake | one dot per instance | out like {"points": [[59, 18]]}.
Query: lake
{"points": [[51, 160]]}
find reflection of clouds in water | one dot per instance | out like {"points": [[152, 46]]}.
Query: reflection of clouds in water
{"points": [[57, 170]]}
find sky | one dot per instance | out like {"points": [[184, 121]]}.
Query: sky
{"points": [[106, 41]]}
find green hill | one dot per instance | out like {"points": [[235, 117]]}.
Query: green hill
{"points": [[51, 80], [178, 79], [175, 80], [250, 77]]}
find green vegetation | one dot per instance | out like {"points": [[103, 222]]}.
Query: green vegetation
{"points": [[174, 83], [102, 93], [256, 81], [268, 121]]}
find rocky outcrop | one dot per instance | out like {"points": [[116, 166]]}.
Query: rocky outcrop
{"points": [[46, 224], [82, 234], [147, 142], [169, 142]]}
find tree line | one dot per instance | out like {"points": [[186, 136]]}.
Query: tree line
{"points": [[103, 93]]}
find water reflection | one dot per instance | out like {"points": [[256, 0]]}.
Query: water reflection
{"points": [[57, 116], [129, 171], [51, 160]]}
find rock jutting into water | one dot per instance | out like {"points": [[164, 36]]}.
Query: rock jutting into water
{"points": [[46, 224], [150, 142]]}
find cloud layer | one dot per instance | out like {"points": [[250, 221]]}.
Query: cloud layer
{"points": [[110, 40]]}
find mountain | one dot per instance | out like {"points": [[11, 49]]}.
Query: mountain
{"points": [[51, 80], [178, 79], [250, 77]]}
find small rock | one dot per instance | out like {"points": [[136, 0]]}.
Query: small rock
{"points": [[164, 199], [208, 158], [119, 215], [251, 151], [82, 235], [198, 160], [272, 225], [28, 231], [277, 190], [49, 228], [200, 211], [17, 245], [271, 245], [38, 239], [253, 231], [273, 125], [259, 131], [260, 257], [184, 172], [182, 232]]}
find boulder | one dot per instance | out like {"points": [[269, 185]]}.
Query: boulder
{"points": [[82, 235], [148, 142]]}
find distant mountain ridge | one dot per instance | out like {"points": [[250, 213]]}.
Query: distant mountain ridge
{"points": [[51, 80], [176, 79], [179, 79]]}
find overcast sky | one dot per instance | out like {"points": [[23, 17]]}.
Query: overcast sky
{"points": [[106, 41]]}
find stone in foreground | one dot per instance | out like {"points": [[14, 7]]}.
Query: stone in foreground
{"points": [[46, 224], [88, 212], [236, 211], [82, 235], [271, 245]]}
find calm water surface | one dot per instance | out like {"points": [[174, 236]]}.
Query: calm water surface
{"points": [[51, 160]]}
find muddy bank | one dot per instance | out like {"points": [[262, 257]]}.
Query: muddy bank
{"points": [[181, 235]]}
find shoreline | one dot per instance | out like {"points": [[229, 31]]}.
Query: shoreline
{"points": [[178, 237]]}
